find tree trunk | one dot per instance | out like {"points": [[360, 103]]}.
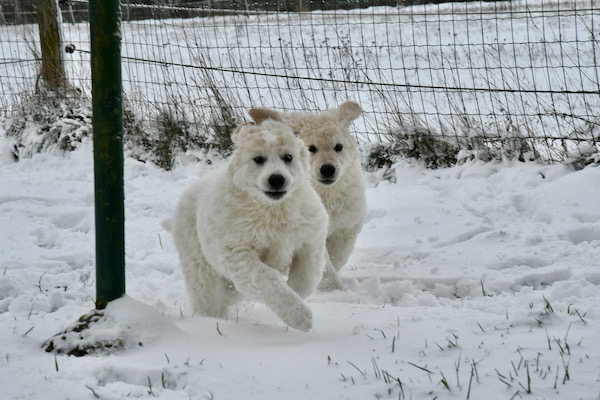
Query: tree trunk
{"points": [[52, 73]]}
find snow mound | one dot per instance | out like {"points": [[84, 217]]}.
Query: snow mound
{"points": [[124, 324]]}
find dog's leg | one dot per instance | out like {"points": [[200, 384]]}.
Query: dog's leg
{"points": [[307, 269], [331, 279], [216, 293], [257, 281], [211, 294], [340, 245]]}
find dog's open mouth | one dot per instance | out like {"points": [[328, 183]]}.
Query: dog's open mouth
{"points": [[327, 182], [276, 195]]}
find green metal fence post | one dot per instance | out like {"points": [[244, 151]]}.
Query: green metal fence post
{"points": [[107, 121]]}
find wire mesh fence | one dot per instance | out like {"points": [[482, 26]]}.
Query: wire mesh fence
{"points": [[509, 77]]}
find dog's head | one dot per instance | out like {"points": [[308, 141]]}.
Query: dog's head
{"points": [[332, 148], [268, 162]]}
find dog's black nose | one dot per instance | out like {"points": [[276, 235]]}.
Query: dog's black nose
{"points": [[327, 171], [276, 181]]}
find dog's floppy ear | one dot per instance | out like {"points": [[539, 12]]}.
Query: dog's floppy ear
{"points": [[261, 114], [235, 136], [348, 112], [294, 120]]}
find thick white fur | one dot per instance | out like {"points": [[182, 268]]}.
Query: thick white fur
{"points": [[235, 242], [343, 194]]}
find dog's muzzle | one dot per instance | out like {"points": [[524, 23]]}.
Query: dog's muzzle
{"points": [[277, 183], [327, 174]]}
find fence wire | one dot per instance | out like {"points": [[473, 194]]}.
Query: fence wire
{"points": [[493, 71]]}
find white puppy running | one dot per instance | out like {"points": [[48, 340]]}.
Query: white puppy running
{"points": [[255, 228], [336, 174]]}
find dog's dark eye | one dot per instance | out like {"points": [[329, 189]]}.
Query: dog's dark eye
{"points": [[312, 149], [338, 147], [287, 158], [260, 160]]}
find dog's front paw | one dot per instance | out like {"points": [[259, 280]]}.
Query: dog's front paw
{"points": [[298, 316]]}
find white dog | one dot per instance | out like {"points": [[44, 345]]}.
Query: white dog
{"points": [[243, 229], [337, 176]]}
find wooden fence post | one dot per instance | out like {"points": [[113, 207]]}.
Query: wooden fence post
{"points": [[53, 72], [2, 19]]}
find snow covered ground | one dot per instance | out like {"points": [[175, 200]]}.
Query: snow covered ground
{"points": [[480, 281]]}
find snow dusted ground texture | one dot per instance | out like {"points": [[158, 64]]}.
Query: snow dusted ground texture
{"points": [[480, 281]]}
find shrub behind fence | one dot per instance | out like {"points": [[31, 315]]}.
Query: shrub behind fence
{"points": [[483, 79]]}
